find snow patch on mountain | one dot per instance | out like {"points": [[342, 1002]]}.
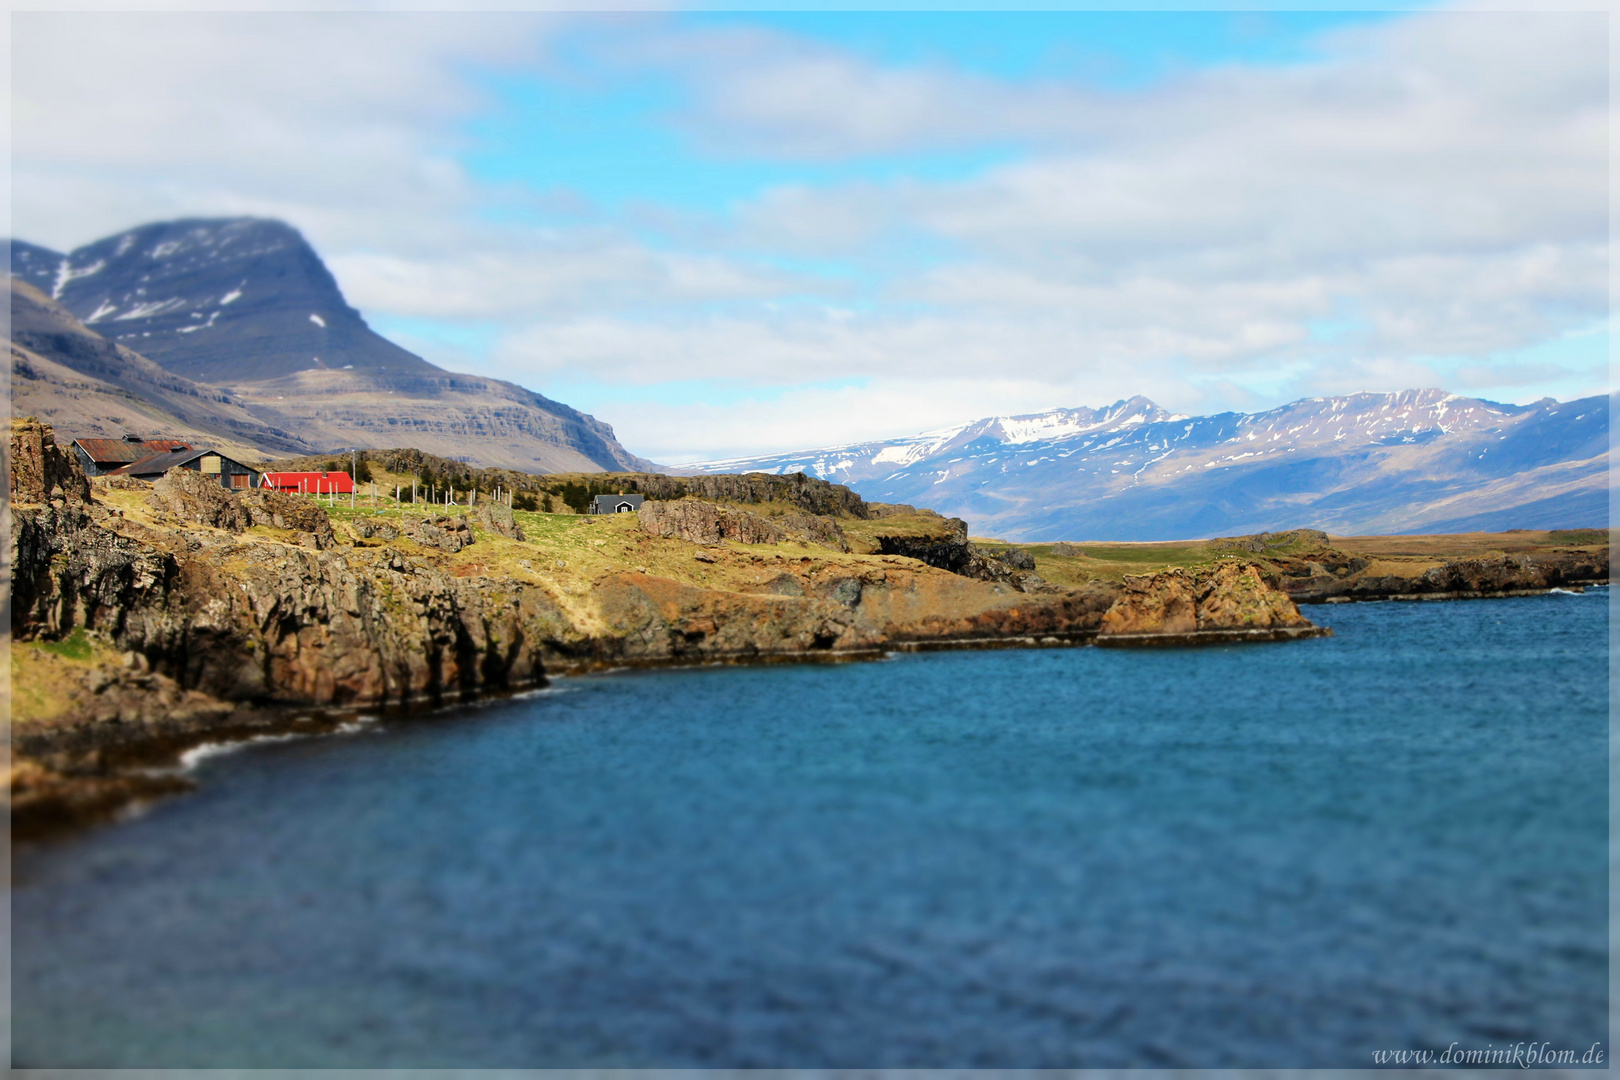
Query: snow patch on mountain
{"points": [[1132, 470], [66, 273]]}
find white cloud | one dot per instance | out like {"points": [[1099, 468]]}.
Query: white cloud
{"points": [[554, 272], [814, 416], [343, 122]]}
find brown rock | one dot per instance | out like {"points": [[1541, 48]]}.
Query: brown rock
{"points": [[701, 522], [298, 513], [444, 532], [1162, 603], [1234, 596], [119, 483], [41, 470], [498, 519], [1231, 596], [198, 499]]}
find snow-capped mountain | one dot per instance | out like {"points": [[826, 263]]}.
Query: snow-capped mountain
{"points": [[1363, 463], [246, 305], [241, 297]]}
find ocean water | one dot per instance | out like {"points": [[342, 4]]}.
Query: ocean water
{"points": [[1295, 854]]}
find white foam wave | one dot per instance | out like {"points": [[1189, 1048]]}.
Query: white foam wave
{"points": [[204, 751]]}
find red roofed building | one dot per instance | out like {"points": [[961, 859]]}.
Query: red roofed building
{"points": [[310, 483]]}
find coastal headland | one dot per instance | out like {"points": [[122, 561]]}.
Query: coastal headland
{"points": [[152, 618]]}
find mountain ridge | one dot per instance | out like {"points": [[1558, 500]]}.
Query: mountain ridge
{"points": [[1413, 460]]}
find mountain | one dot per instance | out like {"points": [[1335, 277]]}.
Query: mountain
{"points": [[246, 305], [67, 374], [204, 298], [1413, 461], [36, 265]]}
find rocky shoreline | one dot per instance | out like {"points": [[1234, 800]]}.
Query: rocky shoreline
{"points": [[1493, 594], [149, 619]]}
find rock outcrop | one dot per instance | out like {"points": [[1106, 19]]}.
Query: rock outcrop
{"points": [[497, 518], [1493, 576], [1235, 596], [443, 532], [1154, 604], [1231, 596], [40, 470], [270, 622], [283, 510], [699, 522], [948, 548], [802, 492], [1260, 543], [196, 498]]}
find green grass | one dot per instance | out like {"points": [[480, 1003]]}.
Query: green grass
{"points": [[76, 646], [1578, 537], [542, 528], [1196, 554]]}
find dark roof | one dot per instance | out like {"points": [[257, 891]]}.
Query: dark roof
{"points": [[158, 464], [101, 450], [615, 500]]}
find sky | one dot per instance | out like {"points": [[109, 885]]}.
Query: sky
{"points": [[741, 233]]}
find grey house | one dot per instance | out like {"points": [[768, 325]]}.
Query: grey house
{"points": [[616, 504], [232, 474]]}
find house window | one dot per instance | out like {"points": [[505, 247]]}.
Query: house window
{"points": [[623, 508], [210, 464], [240, 480]]}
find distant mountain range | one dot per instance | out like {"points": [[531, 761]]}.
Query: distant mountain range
{"points": [[246, 316], [1414, 461]]}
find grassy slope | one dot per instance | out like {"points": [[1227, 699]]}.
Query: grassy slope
{"points": [[1072, 564], [47, 677]]}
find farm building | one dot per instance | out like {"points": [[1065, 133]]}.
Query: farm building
{"points": [[232, 474], [616, 504], [310, 483], [98, 457]]}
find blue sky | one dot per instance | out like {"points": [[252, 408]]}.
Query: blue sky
{"points": [[609, 138], [746, 232]]}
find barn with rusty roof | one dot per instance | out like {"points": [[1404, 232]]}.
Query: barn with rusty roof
{"points": [[98, 457]]}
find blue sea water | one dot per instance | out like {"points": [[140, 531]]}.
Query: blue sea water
{"points": [[1294, 854]]}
